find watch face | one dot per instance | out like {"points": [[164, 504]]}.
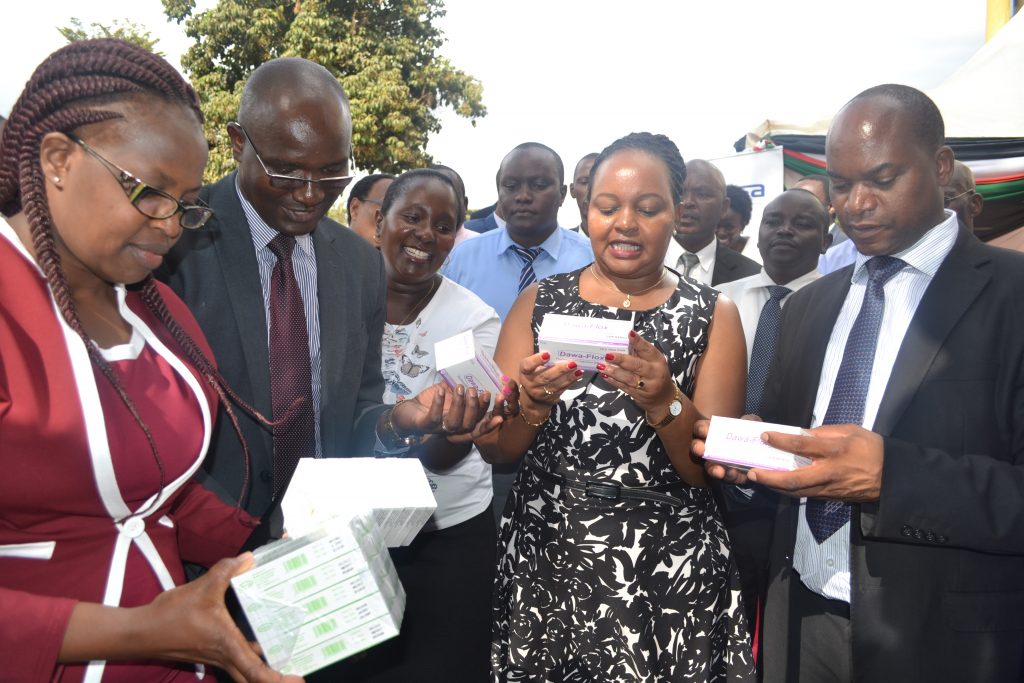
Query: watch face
{"points": [[675, 408]]}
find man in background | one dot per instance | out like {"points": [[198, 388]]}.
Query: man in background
{"points": [[695, 251], [579, 186]]}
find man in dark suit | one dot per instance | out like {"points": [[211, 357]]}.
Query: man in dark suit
{"points": [[696, 252], [899, 553], [293, 143]]}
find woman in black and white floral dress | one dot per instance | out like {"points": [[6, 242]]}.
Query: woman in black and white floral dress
{"points": [[613, 561]]}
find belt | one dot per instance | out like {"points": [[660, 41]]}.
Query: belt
{"points": [[610, 490]]}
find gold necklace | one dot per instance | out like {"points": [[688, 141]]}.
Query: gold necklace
{"points": [[626, 303], [415, 309]]}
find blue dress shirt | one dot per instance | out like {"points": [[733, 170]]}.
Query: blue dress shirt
{"points": [[488, 267]]}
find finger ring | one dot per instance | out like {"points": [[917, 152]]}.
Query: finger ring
{"points": [[444, 427], [640, 383], [547, 391]]}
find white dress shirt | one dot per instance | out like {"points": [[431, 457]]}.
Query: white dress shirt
{"points": [[304, 266], [750, 294], [825, 568], [703, 271]]}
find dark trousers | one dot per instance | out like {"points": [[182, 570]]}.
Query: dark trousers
{"points": [[819, 641], [502, 478], [448, 576]]}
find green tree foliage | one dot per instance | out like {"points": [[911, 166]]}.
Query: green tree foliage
{"points": [[125, 30], [385, 53]]}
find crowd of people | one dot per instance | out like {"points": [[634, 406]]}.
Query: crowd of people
{"points": [[169, 351]]}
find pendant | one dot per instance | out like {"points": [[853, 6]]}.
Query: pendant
{"points": [[626, 303]]}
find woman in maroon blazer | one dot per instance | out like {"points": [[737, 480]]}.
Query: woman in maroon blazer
{"points": [[107, 393]]}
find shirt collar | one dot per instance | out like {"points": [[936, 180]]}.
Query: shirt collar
{"points": [[707, 254], [925, 255], [762, 279], [261, 232], [552, 246]]}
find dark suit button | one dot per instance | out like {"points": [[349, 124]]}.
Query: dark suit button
{"points": [[941, 539], [930, 537], [918, 534], [907, 530], [265, 476]]}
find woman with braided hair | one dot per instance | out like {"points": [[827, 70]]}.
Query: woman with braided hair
{"points": [[613, 560], [107, 393]]}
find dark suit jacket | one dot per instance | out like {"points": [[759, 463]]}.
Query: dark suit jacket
{"points": [[731, 265], [214, 270], [937, 565], [481, 225]]}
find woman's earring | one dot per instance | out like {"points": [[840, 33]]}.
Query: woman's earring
{"points": [[56, 179]]}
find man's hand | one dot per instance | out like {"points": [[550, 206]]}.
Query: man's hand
{"points": [[730, 475], [847, 464]]}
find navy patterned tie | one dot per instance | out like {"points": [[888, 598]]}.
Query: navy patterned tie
{"points": [[850, 392], [290, 373], [763, 351], [527, 256]]}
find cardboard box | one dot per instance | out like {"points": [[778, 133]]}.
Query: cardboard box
{"points": [[737, 443], [587, 341], [319, 598], [460, 361], [396, 489]]}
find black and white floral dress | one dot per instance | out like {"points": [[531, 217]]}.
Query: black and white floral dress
{"points": [[591, 589]]}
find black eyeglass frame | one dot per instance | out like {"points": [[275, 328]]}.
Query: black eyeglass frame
{"points": [[136, 190], [289, 182]]}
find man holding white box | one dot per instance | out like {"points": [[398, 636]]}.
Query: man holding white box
{"points": [[904, 562]]}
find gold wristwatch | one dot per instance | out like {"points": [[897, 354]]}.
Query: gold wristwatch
{"points": [[675, 409]]}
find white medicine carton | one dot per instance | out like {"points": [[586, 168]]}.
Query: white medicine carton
{"points": [[737, 443], [587, 341], [319, 598], [460, 361], [395, 489]]}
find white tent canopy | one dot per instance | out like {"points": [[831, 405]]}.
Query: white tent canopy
{"points": [[984, 98]]}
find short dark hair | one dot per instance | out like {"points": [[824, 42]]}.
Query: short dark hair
{"points": [[460, 188], [362, 189], [535, 145], [928, 128], [823, 216], [822, 180], [739, 201], [586, 157], [655, 144], [401, 185]]}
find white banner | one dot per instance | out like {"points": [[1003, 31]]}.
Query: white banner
{"points": [[760, 174]]}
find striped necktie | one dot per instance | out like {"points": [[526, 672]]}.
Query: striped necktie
{"points": [[763, 350], [846, 405], [527, 256], [687, 262]]}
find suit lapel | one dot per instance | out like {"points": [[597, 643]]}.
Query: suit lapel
{"points": [[820, 315], [956, 285], [335, 311], [237, 260]]}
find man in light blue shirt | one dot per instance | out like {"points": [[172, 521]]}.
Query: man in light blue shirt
{"points": [[501, 263]]}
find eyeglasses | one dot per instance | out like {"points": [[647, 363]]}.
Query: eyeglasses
{"points": [[289, 182], [949, 200], [150, 201]]}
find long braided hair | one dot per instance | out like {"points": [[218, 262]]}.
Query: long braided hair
{"points": [[66, 91]]}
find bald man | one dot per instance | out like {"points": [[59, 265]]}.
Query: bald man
{"points": [[897, 555], [960, 196], [292, 143], [695, 251]]}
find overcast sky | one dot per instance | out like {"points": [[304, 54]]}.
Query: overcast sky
{"points": [[576, 74]]}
